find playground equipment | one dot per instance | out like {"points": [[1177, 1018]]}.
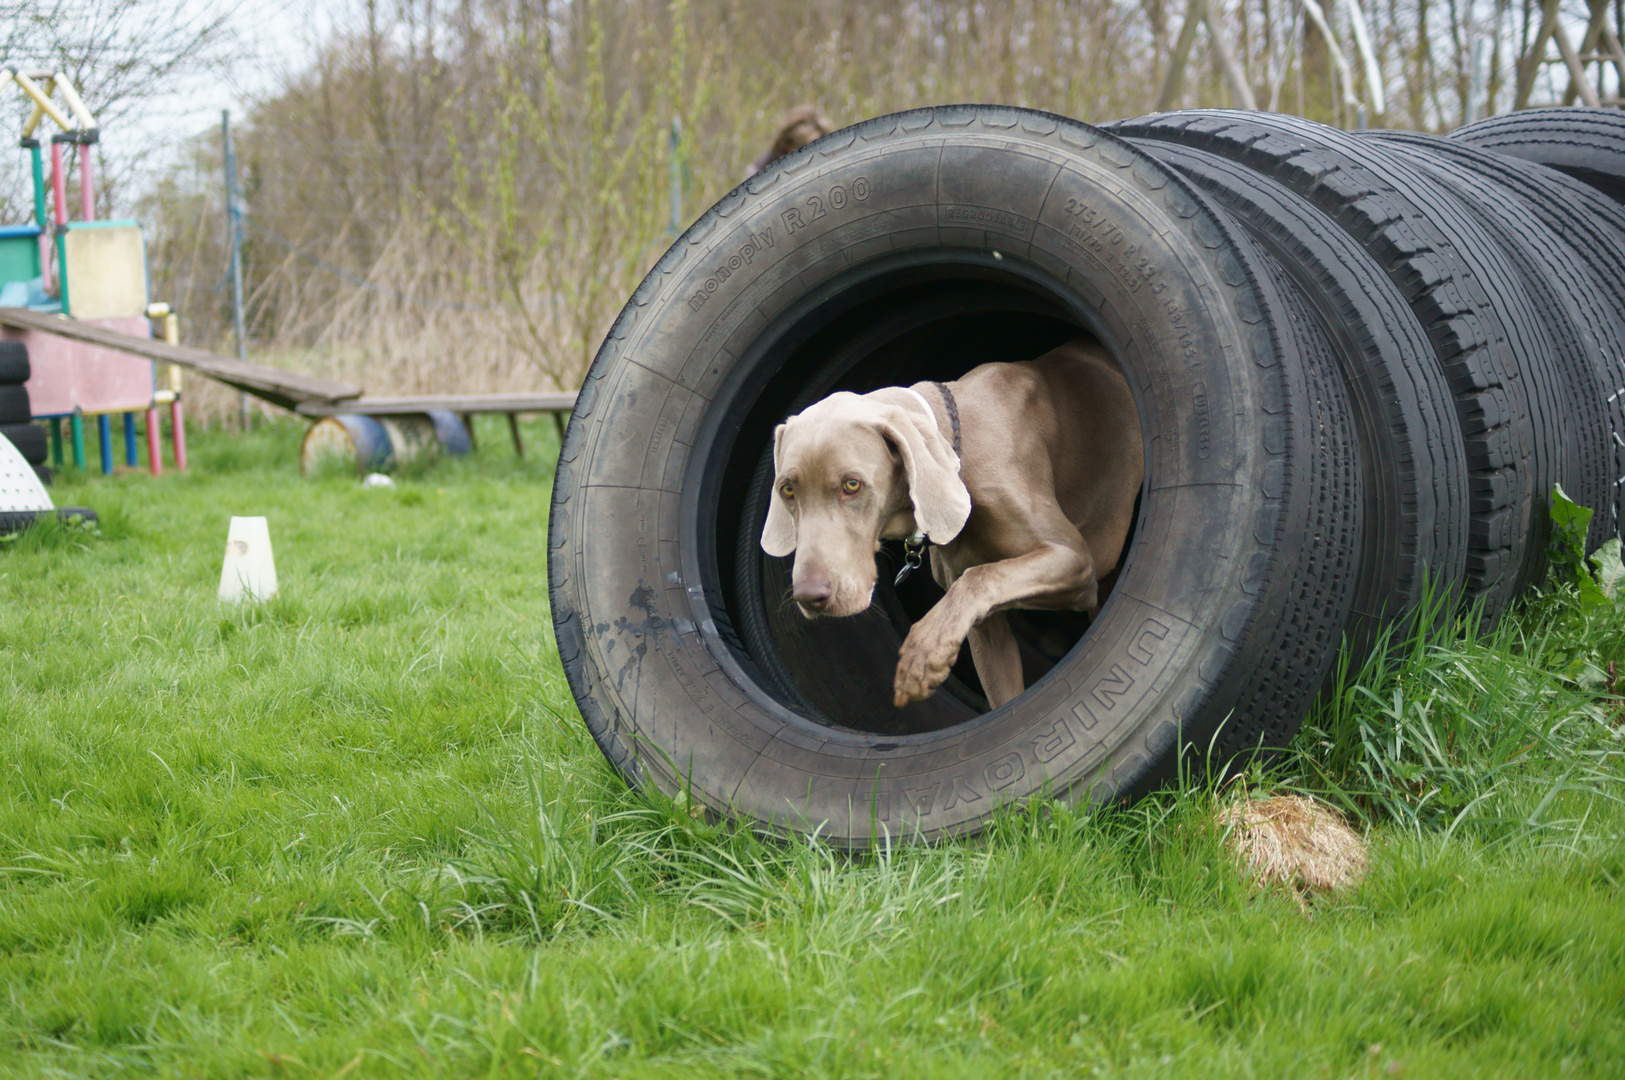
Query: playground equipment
{"points": [[285, 388], [94, 271], [75, 292]]}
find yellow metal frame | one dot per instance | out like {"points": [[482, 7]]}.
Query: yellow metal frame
{"points": [[170, 374], [76, 120], [40, 93]]}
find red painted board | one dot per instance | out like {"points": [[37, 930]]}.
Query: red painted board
{"points": [[69, 375]]}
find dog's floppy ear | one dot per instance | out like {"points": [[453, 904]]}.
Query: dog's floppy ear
{"points": [[779, 534], [941, 500]]}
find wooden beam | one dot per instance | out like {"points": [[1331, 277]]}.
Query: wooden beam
{"points": [[466, 404], [285, 388]]}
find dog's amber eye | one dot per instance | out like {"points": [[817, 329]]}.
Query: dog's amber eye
{"points": [[787, 490], [851, 486]]}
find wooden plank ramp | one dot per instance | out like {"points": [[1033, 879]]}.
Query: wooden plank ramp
{"points": [[465, 404], [285, 388]]}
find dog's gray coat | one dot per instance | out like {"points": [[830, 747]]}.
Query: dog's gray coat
{"points": [[1034, 513]]}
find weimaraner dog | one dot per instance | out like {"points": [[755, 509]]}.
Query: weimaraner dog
{"points": [[1022, 476]]}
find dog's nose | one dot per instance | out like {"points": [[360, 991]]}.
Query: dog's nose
{"points": [[813, 591]]}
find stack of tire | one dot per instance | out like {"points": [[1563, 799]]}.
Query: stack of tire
{"points": [[15, 410], [1363, 363]]}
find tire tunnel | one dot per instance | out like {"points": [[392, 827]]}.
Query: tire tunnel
{"points": [[1348, 393]]}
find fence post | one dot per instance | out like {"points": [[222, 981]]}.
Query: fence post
{"points": [[234, 225], [676, 177]]}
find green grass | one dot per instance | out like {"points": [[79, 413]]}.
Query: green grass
{"points": [[359, 831]]}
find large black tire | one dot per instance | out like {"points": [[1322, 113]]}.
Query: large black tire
{"points": [[30, 441], [1561, 297], [1416, 516], [1588, 144], [1592, 228], [1458, 283], [13, 363], [1229, 608], [14, 404]]}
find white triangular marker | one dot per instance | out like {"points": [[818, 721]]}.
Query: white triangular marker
{"points": [[20, 488], [249, 572]]}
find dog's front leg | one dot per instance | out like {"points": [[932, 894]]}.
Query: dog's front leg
{"points": [[1054, 576], [998, 658]]}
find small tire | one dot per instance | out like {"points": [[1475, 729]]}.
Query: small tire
{"points": [[1588, 144], [14, 407], [14, 368], [30, 441], [1228, 611]]}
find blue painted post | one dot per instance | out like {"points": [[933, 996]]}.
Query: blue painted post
{"points": [[104, 433], [129, 440]]}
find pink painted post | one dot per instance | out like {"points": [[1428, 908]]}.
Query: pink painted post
{"points": [[59, 186], [178, 433], [87, 191], [155, 447], [59, 214]]}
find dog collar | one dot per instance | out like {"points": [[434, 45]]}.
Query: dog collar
{"points": [[948, 403], [952, 406]]}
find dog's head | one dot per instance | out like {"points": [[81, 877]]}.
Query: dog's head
{"points": [[851, 471]]}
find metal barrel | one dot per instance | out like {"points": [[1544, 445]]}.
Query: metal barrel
{"points": [[369, 444]]}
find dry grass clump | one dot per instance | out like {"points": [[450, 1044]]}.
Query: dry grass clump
{"points": [[1294, 841]]}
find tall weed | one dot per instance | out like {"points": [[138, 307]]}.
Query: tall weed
{"points": [[1448, 724]]}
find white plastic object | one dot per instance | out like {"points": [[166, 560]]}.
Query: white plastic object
{"points": [[377, 480], [20, 488], [249, 572]]}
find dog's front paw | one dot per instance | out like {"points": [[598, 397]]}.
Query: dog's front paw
{"points": [[924, 663]]}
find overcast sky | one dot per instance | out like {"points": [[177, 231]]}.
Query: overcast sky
{"points": [[272, 40]]}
